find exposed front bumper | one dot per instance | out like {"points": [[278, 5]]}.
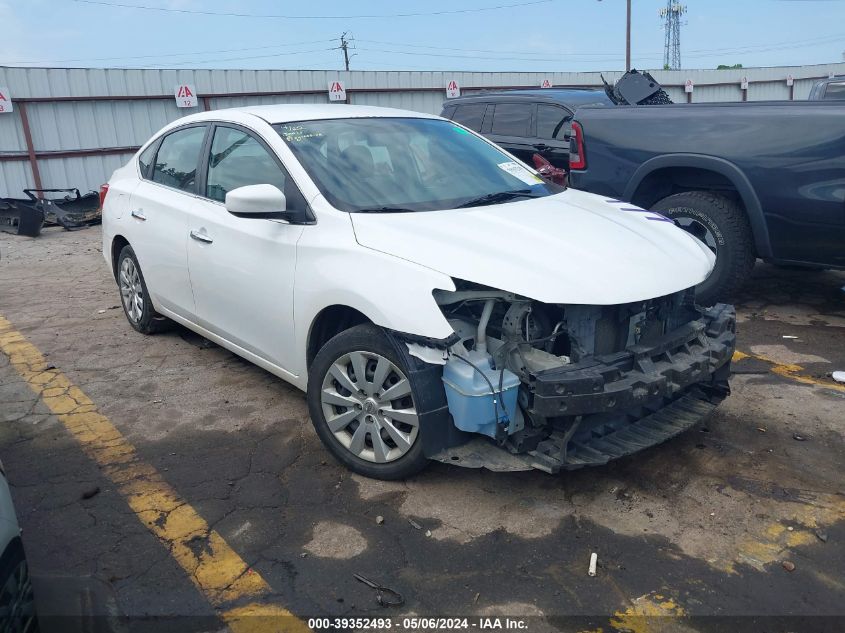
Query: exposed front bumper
{"points": [[640, 374], [610, 406]]}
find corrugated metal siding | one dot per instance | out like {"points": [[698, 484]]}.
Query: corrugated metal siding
{"points": [[72, 125]]}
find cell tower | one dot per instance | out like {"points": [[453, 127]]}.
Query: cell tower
{"points": [[671, 14]]}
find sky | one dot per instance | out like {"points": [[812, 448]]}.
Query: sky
{"points": [[483, 35]]}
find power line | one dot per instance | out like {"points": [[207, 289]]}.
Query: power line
{"points": [[312, 17], [163, 55], [711, 52], [234, 59]]}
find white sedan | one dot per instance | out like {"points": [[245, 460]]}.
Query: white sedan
{"points": [[435, 297]]}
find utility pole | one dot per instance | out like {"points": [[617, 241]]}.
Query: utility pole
{"points": [[344, 46], [628, 40]]}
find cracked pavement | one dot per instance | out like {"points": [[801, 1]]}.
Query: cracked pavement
{"points": [[701, 523]]}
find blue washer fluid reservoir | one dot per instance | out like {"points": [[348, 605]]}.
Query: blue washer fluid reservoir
{"points": [[470, 400]]}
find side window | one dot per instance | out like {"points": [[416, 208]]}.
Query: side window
{"points": [[237, 159], [470, 115], [552, 122], [835, 91], [511, 119], [146, 159], [177, 158]]}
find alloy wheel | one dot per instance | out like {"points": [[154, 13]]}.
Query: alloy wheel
{"points": [[131, 290], [17, 605], [369, 407]]}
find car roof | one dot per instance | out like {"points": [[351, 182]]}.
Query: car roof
{"points": [[575, 97], [283, 113]]}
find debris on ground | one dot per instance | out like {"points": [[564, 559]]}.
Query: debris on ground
{"points": [[798, 437], [428, 532], [761, 429], [477, 596], [594, 558], [788, 565], [789, 336], [414, 524], [20, 217], [385, 596], [26, 216], [379, 520], [821, 535], [91, 492], [838, 376]]}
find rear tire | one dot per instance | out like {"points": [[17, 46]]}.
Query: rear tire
{"points": [[723, 226], [134, 296], [358, 419]]}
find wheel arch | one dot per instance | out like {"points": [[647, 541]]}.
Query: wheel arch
{"points": [[328, 323], [117, 245], [664, 175]]}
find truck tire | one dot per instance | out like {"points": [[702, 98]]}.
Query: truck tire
{"points": [[720, 223]]}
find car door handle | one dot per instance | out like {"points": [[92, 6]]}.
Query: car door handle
{"points": [[139, 215], [201, 237]]}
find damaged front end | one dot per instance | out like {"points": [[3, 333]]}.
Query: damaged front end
{"points": [[559, 387]]}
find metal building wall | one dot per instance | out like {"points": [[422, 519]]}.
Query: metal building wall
{"points": [[109, 112]]}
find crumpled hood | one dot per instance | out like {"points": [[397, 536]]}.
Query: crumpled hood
{"points": [[573, 247]]}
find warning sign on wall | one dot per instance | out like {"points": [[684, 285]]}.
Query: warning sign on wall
{"points": [[453, 90], [790, 80], [337, 91], [6, 104], [546, 83], [689, 86], [186, 96], [743, 83]]}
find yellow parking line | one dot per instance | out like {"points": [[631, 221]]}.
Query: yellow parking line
{"points": [[793, 372], [227, 582]]}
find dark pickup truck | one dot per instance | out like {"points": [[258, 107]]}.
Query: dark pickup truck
{"points": [[752, 180]]}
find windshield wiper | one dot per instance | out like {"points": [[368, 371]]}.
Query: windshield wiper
{"points": [[499, 196], [385, 210]]}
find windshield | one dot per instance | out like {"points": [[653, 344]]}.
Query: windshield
{"points": [[386, 165]]}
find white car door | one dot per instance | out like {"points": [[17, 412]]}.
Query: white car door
{"points": [[158, 218], [242, 268]]}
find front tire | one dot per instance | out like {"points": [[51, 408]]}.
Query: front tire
{"points": [[134, 296], [17, 604], [722, 225], [363, 405]]}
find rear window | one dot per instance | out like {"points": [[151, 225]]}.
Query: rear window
{"points": [[511, 119], [552, 122], [470, 115], [835, 91]]}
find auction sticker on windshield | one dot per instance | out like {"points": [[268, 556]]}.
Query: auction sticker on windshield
{"points": [[517, 170]]}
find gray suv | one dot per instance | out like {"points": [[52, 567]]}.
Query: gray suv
{"points": [[526, 122]]}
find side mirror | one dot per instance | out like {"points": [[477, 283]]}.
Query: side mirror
{"points": [[256, 200]]}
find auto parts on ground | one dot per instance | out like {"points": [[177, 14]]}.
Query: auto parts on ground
{"points": [[21, 217], [26, 216], [72, 211], [636, 88]]}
